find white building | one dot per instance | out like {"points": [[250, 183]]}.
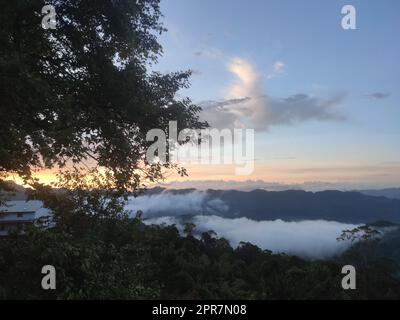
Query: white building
{"points": [[19, 213]]}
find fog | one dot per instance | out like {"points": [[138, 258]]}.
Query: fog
{"points": [[195, 202], [311, 239], [308, 239]]}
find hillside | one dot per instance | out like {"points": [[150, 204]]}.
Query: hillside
{"points": [[348, 207]]}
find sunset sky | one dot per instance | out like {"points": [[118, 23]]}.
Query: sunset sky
{"points": [[323, 101]]}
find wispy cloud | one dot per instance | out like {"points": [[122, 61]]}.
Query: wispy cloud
{"points": [[209, 52], [279, 68]]}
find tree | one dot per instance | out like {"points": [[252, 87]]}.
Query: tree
{"points": [[189, 228], [362, 233], [364, 240], [83, 94]]}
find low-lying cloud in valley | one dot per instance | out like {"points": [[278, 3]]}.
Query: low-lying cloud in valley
{"points": [[308, 239], [195, 202]]}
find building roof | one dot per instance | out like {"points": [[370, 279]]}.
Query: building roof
{"points": [[21, 206]]}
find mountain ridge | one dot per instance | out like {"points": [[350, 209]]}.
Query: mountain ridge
{"points": [[292, 205]]}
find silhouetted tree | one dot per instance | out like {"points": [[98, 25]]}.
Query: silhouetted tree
{"points": [[188, 229], [83, 92]]}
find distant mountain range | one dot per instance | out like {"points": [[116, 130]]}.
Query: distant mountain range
{"points": [[391, 193], [292, 205], [364, 206]]}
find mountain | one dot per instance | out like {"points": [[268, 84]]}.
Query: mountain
{"points": [[292, 205], [365, 206], [391, 193]]}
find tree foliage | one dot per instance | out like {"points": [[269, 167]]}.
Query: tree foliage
{"points": [[84, 92], [121, 258]]}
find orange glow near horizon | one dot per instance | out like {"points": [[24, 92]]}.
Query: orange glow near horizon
{"points": [[268, 173]]}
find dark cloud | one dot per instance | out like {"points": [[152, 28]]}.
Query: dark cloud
{"points": [[263, 112], [222, 103], [302, 107], [378, 95]]}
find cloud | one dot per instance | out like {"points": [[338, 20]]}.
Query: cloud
{"points": [[378, 95], [311, 239], [246, 106], [308, 239], [220, 113], [224, 103], [196, 202], [210, 53], [249, 185], [279, 68]]}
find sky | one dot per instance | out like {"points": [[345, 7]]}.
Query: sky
{"points": [[323, 100]]}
